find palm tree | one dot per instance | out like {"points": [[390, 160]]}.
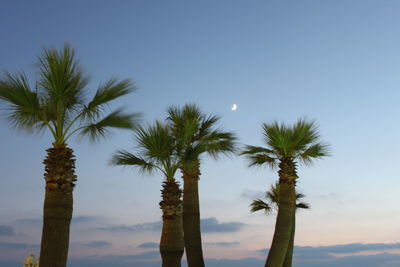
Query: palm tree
{"points": [[195, 134], [286, 147], [272, 197], [156, 152], [57, 104]]}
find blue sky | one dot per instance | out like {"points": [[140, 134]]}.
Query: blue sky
{"points": [[337, 62]]}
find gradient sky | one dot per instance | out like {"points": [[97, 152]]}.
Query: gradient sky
{"points": [[336, 61]]}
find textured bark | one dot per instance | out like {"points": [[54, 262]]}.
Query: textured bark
{"points": [[58, 206], [286, 210], [191, 217], [171, 244], [289, 253]]}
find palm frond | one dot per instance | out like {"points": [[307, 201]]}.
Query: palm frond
{"points": [[106, 93], [277, 136], [304, 134], [220, 143], [124, 158], [195, 134], [258, 204], [206, 124], [313, 152], [258, 160], [302, 205], [273, 194], [155, 141], [299, 142], [249, 150], [62, 79], [155, 150], [24, 108], [258, 156], [116, 119], [300, 196]]}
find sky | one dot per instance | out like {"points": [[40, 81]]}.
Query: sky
{"points": [[336, 62]]}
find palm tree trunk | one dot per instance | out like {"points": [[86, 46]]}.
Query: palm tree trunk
{"points": [[191, 218], [171, 244], [58, 206], [289, 252], [284, 220]]}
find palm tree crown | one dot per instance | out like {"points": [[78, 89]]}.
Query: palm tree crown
{"points": [[155, 151], [195, 133], [58, 100], [299, 142]]}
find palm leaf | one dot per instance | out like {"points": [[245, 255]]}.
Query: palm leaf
{"points": [[313, 152], [62, 79], [302, 205], [155, 150], [258, 204], [155, 141], [106, 93], [124, 158], [116, 119], [24, 109]]}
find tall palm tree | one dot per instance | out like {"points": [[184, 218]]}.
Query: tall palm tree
{"points": [[195, 134], [156, 152], [57, 103], [286, 147], [272, 197]]}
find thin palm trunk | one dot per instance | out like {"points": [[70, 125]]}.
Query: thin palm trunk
{"points": [[58, 206], [286, 210], [191, 219], [289, 252], [172, 243]]}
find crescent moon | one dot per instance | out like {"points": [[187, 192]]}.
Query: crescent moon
{"points": [[234, 107]]}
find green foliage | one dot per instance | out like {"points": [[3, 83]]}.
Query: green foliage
{"points": [[272, 196], [195, 133], [259, 204], [155, 150], [298, 142], [58, 101]]}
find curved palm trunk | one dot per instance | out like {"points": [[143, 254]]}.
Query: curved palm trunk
{"points": [[289, 252], [58, 206], [191, 217], [286, 210], [171, 244]]}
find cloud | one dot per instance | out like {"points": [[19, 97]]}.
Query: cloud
{"points": [[381, 260], [98, 244], [150, 255], [151, 226], [221, 244], [307, 256], [16, 246], [341, 249], [82, 219], [29, 221], [148, 245], [211, 225], [6, 230], [75, 220], [348, 248], [10, 263]]}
